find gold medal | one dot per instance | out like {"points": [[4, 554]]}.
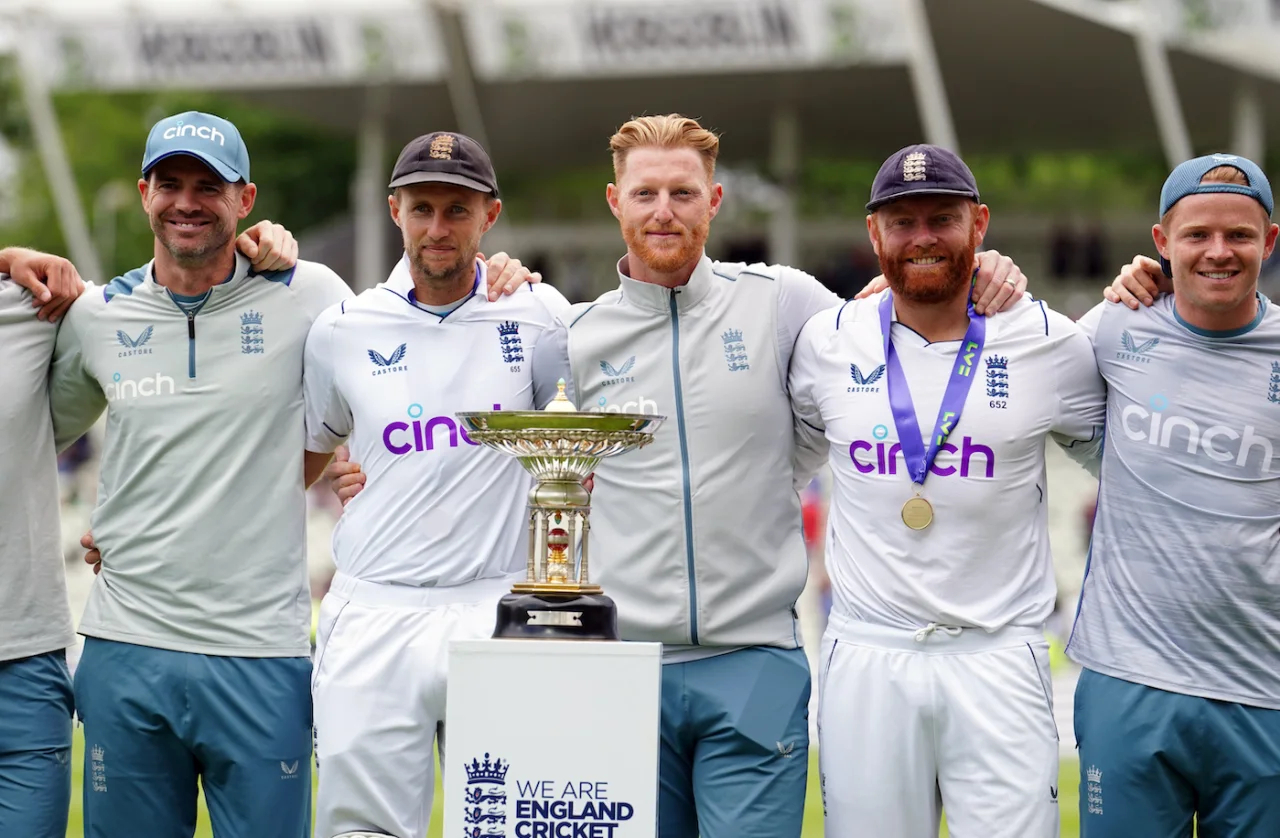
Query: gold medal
{"points": [[917, 513]]}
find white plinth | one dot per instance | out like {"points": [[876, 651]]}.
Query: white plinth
{"points": [[575, 726]]}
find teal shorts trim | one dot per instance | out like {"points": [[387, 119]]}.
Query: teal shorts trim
{"points": [[735, 745]]}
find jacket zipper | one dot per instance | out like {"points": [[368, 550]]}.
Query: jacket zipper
{"points": [[684, 462], [191, 344]]}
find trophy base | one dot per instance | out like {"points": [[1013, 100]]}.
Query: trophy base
{"points": [[548, 616]]}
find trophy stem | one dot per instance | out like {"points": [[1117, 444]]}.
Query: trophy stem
{"points": [[531, 571], [584, 527]]}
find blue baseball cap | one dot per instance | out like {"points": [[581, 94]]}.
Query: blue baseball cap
{"points": [[1184, 180], [921, 170], [210, 139]]}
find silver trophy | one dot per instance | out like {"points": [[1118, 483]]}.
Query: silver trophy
{"points": [[560, 447]]}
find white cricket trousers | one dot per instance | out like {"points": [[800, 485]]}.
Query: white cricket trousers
{"points": [[913, 722], [379, 690]]}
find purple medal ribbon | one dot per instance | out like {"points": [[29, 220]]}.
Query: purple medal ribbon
{"points": [[917, 460]]}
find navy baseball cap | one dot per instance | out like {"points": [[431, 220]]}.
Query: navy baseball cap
{"points": [[1184, 180], [921, 170], [210, 139], [445, 157]]}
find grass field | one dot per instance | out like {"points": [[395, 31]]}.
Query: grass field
{"points": [[1067, 799]]}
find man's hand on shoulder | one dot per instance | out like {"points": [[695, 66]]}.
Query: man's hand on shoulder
{"points": [[506, 274], [998, 284], [53, 281], [1139, 282], [268, 247]]}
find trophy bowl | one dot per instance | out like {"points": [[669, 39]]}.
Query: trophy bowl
{"points": [[560, 447]]}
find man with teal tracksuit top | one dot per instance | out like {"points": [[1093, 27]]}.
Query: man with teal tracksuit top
{"points": [[196, 662]]}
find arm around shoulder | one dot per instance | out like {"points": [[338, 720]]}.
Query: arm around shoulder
{"points": [[1080, 413], [318, 287], [76, 399]]}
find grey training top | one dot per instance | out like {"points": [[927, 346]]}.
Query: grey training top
{"points": [[201, 509], [1182, 589], [34, 615]]}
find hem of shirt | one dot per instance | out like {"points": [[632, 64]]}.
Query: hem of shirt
{"points": [[171, 645], [43, 646], [685, 653], [688, 654], [1170, 687]]}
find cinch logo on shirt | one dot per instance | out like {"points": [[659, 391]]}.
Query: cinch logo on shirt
{"points": [[127, 388], [401, 438], [640, 405], [1217, 442], [879, 457]]}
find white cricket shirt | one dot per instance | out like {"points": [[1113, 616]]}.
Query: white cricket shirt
{"points": [[985, 560], [437, 509]]}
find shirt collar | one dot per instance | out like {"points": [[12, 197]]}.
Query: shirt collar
{"points": [[239, 271], [400, 281], [658, 297]]}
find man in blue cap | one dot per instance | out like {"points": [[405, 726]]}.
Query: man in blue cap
{"points": [[196, 661], [1177, 712]]}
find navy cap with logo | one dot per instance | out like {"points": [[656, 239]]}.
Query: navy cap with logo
{"points": [[445, 157], [921, 170], [1184, 180], [210, 139]]}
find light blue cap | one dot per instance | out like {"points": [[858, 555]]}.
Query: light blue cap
{"points": [[1185, 180], [208, 138]]}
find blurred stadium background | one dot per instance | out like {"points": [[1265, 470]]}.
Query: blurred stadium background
{"points": [[1069, 111]]}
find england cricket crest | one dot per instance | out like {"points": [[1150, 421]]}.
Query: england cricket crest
{"points": [[735, 351], [997, 377], [485, 815], [251, 334], [509, 342]]}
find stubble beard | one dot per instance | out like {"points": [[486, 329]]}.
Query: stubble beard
{"points": [[450, 278], [216, 238]]}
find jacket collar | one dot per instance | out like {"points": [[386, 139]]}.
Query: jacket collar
{"points": [[658, 298]]}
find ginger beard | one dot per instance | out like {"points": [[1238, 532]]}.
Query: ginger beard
{"points": [[930, 283], [669, 255]]}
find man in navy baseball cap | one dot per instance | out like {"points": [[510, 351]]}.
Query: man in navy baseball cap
{"points": [[922, 170], [926, 189], [210, 139]]}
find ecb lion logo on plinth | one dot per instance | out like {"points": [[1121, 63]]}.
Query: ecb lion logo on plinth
{"points": [[485, 813]]}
